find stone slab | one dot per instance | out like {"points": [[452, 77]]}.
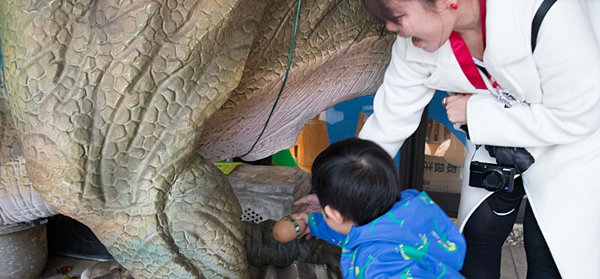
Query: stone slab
{"points": [[268, 192]]}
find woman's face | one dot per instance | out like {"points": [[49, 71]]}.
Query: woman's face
{"points": [[428, 26]]}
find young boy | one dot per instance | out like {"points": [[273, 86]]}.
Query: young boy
{"points": [[383, 233]]}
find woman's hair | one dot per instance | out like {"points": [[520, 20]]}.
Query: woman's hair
{"points": [[381, 12], [357, 178]]}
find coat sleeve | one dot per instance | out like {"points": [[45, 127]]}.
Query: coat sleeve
{"points": [[568, 61], [320, 229], [399, 101]]}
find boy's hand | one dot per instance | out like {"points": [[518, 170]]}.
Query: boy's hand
{"points": [[303, 217], [313, 204]]}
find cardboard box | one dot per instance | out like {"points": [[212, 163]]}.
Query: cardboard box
{"points": [[441, 176]]}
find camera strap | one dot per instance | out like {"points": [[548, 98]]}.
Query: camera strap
{"points": [[477, 146], [537, 21]]}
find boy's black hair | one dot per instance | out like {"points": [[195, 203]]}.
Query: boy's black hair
{"points": [[357, 178]]}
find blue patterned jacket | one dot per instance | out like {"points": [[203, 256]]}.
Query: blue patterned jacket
{"points": [[415, 239]]}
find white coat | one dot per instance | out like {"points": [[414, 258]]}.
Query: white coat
{"points": [[557, 122]]}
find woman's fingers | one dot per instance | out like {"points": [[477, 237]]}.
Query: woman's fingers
{"points": [[312, 201], [456, 108], [308, 200]]}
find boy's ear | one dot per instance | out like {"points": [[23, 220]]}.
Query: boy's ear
{"points": [[334, 215]]}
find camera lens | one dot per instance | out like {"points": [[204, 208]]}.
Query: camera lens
{"points": [[492, 179]]}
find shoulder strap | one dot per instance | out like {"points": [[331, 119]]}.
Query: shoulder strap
{"points": [[537, 21]]}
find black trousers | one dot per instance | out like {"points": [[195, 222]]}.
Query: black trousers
{"points": [[486, 232]]}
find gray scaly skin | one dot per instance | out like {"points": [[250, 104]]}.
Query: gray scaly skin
{"points": [[110, 99], [340, 53]]}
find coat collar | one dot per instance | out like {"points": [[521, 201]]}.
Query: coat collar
{"points": [[507, 33], [508, 56], [507, 40]]}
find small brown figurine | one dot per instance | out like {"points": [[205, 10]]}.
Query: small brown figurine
{"points": [[288, 229]]}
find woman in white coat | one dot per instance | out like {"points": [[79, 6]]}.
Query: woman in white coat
{"points": [[551, 108], [555, 116]]}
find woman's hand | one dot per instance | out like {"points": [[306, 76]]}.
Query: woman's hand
{"points": [[456, 108], [312, 201]]}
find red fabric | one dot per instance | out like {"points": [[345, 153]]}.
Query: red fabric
{"points": [[463, 55], [482, 13], [465, 60]]}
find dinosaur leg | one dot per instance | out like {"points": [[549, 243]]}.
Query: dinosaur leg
{"points": [[194, 231], [204, 217]]}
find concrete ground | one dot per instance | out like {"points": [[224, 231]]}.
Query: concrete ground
{"points": [[514, 265]]}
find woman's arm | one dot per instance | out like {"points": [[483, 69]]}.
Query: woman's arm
{"points": [[399, 101], [568, 62]]}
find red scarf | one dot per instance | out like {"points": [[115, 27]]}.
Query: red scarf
{"points": [[465, 60]]}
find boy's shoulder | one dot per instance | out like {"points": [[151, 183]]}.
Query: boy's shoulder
{"points": [[413, 200], [410, 194]]}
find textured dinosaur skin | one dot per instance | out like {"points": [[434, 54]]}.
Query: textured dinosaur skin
{"points": [[19, 201], [122, 105], [339, 54]]}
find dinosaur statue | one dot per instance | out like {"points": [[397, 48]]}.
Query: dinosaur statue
{"points": [[122, 105]]}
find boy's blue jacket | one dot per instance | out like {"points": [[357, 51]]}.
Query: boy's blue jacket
{"points": [[415, 239]]}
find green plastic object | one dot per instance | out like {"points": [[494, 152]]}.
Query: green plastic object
{"points": [[284, 158]]}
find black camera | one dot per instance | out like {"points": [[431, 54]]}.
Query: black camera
{"points": [[492, 177]]}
